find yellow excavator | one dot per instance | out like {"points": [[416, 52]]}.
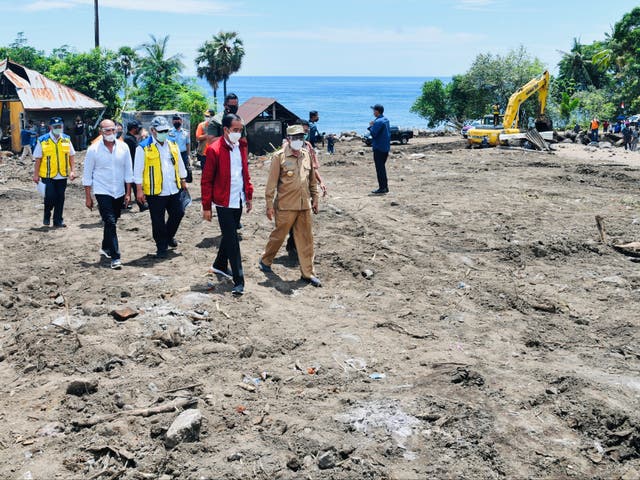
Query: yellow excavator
{"points": [[492, 136]]}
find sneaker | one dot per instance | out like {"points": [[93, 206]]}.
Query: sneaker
{"points": [[314, 281], [238, 290], [59, 225], [380, 191], [264, 267], [162, 254], [104, 253], [46, 222], [225, 273], [116, 264], [173, 243]]}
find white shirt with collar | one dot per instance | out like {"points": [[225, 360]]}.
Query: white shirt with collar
{"points": [[106, 171], [169, 186], [236, 192]]}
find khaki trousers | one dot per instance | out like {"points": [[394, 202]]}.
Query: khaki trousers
{"points": [[300, 220]]}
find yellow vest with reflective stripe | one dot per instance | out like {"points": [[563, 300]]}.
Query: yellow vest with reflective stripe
{"points": [[55, 156], [152, 171]]}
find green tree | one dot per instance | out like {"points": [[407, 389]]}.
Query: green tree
{"points": [[157, 76], [194, 101], [567, 106], [92, 73], [595, 103], [432, 103], [491, 79], [126, 61]]}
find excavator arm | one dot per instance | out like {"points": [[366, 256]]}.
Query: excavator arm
{"points": [[539, 84]]}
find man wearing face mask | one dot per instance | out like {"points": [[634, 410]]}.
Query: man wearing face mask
{"points": [[202, 138], [108, 170], [230, 105], [180, 136], [226, 183], [159, 175], [291, 194], [55, 163]]}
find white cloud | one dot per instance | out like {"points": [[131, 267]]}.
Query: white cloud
{"points": [[403, 36], [202, 7]]}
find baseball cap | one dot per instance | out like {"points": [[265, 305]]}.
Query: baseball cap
{"points": [[176, 117], [56, 121], [133, 124], [378, 107], [160, 124]]}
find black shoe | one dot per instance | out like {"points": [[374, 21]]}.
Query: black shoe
{"points": [[162, 254], [264, 267], [380, 191], [173, 243], [59, 225], [144, 207], [240, 226], [314, 281], [46, 222], [238, 290]]}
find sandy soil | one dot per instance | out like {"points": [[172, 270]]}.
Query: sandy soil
{"points": [[471, 325]]}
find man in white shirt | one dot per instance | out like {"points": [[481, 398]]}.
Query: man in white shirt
{"points": [[159, 175], [107, 169]]}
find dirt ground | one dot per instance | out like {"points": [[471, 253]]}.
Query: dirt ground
{"points": [[471, 325]]}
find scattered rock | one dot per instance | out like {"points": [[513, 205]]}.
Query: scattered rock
{"points": [[170, 338], [124, 314], [185, 428], [395, 204], [294, 464], [246, 351], [54, 429], [615, 280], [59, 301], [31, 283], [368, 274], [234, 457], [5, 300], [326, 460], [82, 387], [91, 309]]}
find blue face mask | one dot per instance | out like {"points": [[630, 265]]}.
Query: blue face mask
{"points": [[161, 136]]}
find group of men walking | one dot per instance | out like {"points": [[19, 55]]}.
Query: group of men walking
{"points": [[156, 171]]}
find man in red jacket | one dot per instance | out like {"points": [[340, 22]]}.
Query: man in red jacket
{"points": [[227, 185]]}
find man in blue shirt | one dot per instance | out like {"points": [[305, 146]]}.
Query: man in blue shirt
{"points": [[181, 137], [314, 135], [381, 144], [27, 138]]}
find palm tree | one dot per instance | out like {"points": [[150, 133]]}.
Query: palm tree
{"points": [[207, 67], [156, 65], [125, 63], [574, 65], [229, 51]]}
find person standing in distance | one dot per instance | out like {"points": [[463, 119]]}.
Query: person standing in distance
{"points": [[230, 105], [226, 183], [180, 136], [159, 175], [314, 135], [380, 144], [108, 171], [131, 138], [202, 138], [55, 164]]}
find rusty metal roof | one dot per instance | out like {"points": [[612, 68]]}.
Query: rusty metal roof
{"points": [[254, 107], [37, 92]]}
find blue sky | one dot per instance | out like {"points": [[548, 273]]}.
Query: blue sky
{"points": [[325, 37]]}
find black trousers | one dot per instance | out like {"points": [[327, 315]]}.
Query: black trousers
{"points": [[185, 160], [229, 251], [110, 208], [54, 199], [380, 159], [202, 159], [166, 214]]}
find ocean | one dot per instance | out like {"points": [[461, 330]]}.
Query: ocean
{"points": [[342, 102]]}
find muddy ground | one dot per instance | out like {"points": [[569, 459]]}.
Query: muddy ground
{"points": [[471, 325]]}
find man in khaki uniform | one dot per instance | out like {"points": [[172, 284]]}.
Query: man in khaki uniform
{"points": [[292, 176]]}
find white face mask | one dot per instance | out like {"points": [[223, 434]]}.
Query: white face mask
{"points": [[234, 137], [111, 137], [161, 136], [57, 131], [296, 144]]}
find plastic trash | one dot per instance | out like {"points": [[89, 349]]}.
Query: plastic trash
{"points": [[377, 376]]}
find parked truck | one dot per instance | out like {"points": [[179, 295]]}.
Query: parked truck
{"points": [[397, 135]]}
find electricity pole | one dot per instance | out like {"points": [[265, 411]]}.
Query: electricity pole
{"points": [[96, 23]]}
